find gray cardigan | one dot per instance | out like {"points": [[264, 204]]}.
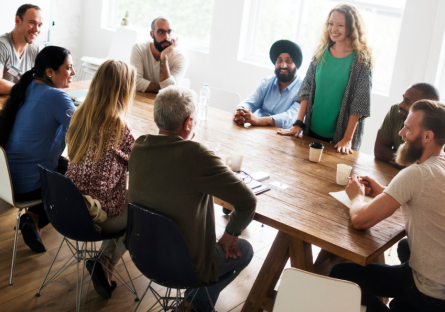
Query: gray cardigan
{"points": [[356, 100]]}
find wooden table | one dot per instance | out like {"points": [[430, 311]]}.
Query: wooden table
{"points": [[304, 213]]}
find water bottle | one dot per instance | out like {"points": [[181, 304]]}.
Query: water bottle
{"points": [[204, 98]]}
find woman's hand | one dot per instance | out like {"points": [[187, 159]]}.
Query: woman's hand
{"points": [[295, 130], [344, 146]]}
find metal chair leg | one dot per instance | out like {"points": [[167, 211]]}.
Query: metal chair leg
{"points": [[14, 250]]}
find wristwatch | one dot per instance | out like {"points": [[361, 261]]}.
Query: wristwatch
{"points": [[233, 234], [300, 124]]}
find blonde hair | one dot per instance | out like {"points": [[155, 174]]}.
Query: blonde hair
{"points": [[106, 106], [356, 38]]}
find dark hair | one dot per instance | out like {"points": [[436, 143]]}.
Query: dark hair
{"points": [[50, 57], [158, 18], [22, 9], [433, 118], [429, 92]]}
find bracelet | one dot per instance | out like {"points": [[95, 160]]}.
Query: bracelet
{"points": [[300, 124], [233, 234]]}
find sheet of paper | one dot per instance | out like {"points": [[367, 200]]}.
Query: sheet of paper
{"points": [[343, 198], [279, 184]]}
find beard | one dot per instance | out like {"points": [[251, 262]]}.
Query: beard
{"points": [[285, 78], [158, 45], [409, 152]]}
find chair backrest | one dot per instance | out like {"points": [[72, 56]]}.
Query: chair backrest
{"points": [[66, 208], [158, 249], [223, 99], [304, 291], [186, 83], [6, 189], [123, 41]]}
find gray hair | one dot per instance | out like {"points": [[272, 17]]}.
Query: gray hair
{"points": [[172, 107], [159, 18]]}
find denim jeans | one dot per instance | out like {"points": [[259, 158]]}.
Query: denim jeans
{"points": [[381, 280], [201, 301]]}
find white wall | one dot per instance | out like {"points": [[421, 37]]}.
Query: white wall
{"points": [[417, 58]]}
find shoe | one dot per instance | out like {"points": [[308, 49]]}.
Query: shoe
{"points": [[226, 211], [30, 235], [100, 281], [113, 285]]}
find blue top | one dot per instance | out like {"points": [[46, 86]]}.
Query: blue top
{"points": [[38, 135], [268, 100]]}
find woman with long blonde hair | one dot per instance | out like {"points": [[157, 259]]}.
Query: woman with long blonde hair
{"points": [[335, 95], [99, 142]]}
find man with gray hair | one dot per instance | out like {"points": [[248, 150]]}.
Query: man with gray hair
{"points": [[176, 177], [159, 63]]}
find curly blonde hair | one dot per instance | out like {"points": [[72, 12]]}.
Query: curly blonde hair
{"points": [[356, 38]]}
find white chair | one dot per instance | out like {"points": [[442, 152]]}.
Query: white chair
{"points": [[7, 194], [186, 83], [120, 49], [304, 291], [223, 99]]}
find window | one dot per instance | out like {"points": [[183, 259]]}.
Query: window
{"points": [[191, 20], [302, 21]]}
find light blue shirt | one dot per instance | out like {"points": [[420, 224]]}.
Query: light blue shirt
{"points": [[38, 135], [267, 100]]}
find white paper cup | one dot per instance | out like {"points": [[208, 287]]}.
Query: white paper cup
{"points": [[315, 151], [343, 172], [234, 160]]}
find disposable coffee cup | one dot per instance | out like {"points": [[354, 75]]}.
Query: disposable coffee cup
{"points": [[343, 172], [315, 151], [234, 160]]}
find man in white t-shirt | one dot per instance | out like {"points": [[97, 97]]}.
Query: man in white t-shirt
{"points": [[419, 283], [159, 63], [17, 49]]}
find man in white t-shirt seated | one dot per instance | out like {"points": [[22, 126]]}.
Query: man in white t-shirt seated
{"points": [[159, 63], [17, 49], [419, 283]]}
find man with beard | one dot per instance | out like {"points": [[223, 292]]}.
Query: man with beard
{"points": [[159, 63], [388, 139], [274, 99], [418, 284], [17, 49]]}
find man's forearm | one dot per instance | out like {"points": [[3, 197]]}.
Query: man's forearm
{"points": [[164, 72], [5, 86], [153, 88], [384, 153]]}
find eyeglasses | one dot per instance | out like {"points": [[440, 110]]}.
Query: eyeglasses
{"points": [[244, 176], [162, 32]]}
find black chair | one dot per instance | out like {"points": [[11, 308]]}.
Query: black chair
{"points": [[68, 213], [159, 251]]}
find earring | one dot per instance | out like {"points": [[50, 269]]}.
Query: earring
{"points": [[49, 76]]}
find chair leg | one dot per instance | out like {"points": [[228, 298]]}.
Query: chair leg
{"points": [[14, 250], [63, 268], [210, 299], [134, 291]]}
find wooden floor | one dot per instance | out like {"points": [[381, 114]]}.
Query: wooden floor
{"points": [[60, 295]]}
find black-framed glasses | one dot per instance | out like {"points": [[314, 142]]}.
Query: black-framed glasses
{"points": [[244, 176], [162, 32]]}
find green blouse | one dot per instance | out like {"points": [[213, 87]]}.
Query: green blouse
{"points": [[331, 79]]}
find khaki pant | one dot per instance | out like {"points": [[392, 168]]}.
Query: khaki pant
{"points": [[113, 225]]}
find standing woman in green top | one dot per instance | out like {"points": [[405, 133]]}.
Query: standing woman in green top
{"points": [[335, 95]]}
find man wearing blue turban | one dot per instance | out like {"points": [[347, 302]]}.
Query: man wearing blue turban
{"points": [[272, 103]]}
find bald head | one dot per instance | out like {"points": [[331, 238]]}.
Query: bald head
{"points": [[154, 25]]}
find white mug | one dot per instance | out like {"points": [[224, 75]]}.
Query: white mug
{"points": [[343, 172], [234, 160]]}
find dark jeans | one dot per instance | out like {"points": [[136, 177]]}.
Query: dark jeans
{"points": [[36, 194], [319, 137], [381, 280], [201, 301]]}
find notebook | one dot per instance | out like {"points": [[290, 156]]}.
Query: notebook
{"points": [[343, 198]]}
